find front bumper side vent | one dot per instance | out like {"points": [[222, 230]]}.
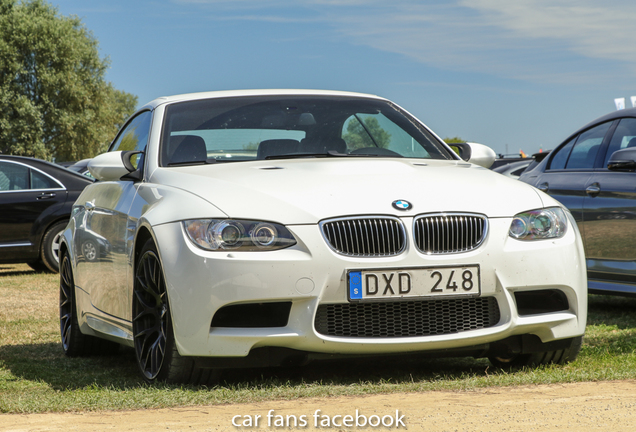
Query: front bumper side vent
{"points": [[253, 315], [541, 301]]}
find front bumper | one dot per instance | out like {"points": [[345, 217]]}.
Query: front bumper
{"points": [[199, 283]]}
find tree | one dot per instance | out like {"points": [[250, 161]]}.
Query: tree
{"points": [[371, 134], [55, 101], [454, 140]]}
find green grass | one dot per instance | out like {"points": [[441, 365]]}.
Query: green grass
{"points": [[36, 377]]}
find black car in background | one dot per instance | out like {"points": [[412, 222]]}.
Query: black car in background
{"points": [[36, 198], [593, 173]]}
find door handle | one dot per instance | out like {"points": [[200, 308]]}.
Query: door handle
{"points": [[593, 189], [89, 206], [46, 195], [543, 187]]}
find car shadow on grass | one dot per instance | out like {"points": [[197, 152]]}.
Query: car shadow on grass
{"points": [[367, 370], [611, 327], [7, 273], [616, 311], [46, 363]]}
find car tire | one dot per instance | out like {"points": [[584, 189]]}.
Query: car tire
{"points": [[74, 342], [155, 349], [561, 356], [50, 250]]}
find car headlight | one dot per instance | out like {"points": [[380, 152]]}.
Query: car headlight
{"points": [[233, 234], [540, 224]]}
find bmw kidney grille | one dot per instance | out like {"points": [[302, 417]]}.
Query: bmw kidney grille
{"points": [[381, 236], [365, 237], [449, 233]]}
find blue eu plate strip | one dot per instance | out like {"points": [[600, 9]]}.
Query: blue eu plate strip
{"points": [[355, 285]]}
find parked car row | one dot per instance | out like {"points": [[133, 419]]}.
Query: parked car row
{"points": [[513, 169]]}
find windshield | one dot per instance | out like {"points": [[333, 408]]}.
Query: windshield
{"points": [[278, 127]]}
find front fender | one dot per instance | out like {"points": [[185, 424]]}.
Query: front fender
{"points": [[159, 204]]}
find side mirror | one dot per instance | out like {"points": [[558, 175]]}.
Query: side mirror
{"points": [[475, 153], [623, 160], [462, 150], [118, 165]]}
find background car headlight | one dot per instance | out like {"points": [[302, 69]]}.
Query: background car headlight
{"points": [[232, 234], [539, 224]]}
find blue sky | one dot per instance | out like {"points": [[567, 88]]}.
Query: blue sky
{"points": [[514, 75]]}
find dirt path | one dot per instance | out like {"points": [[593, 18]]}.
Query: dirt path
{"points": [[602, 406]]}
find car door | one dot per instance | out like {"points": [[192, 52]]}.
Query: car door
{"points": [[609, 217], [103, 242], [25, 194]]}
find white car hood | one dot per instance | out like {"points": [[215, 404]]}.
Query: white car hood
{"points": [[303, 191]]}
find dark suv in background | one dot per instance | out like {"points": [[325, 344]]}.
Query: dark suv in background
{"points": [[593, 173]]}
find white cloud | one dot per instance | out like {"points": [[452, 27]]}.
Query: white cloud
{"points": [[591, 28], [558, 41]]}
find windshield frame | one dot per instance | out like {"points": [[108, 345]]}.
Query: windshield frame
{"points": [[191, 116]]}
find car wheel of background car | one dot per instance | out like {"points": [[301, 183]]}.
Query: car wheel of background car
{"points": [[74, 342], [89, 251], [155, 348], [541, 358], [51, 246]]}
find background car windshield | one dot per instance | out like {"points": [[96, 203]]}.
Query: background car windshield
{"points": [[250, 128]]}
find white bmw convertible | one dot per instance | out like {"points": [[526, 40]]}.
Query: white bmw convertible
{"points": [[255, 228]]}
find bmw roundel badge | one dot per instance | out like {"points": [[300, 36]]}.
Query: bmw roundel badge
{"points": [[402, 205]]}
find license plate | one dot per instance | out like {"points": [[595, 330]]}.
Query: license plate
{"points": [[393, 284]]}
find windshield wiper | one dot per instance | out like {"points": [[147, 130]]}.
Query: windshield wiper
{"points": [[199, 162], [373, 152], [330, 153]]}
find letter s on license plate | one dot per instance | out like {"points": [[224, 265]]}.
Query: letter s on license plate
{"points": [[387, 284]]}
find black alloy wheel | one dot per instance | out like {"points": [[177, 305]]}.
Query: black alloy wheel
{"points": [[67, 303], [150, 314], [157, 354]]}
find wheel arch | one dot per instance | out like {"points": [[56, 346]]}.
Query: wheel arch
{"points": [[143, 235], [57, 213], [66, 241], [64, 249]]}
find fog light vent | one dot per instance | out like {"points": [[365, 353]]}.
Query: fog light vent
{"points": [[253, 315], [541, 301]]}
